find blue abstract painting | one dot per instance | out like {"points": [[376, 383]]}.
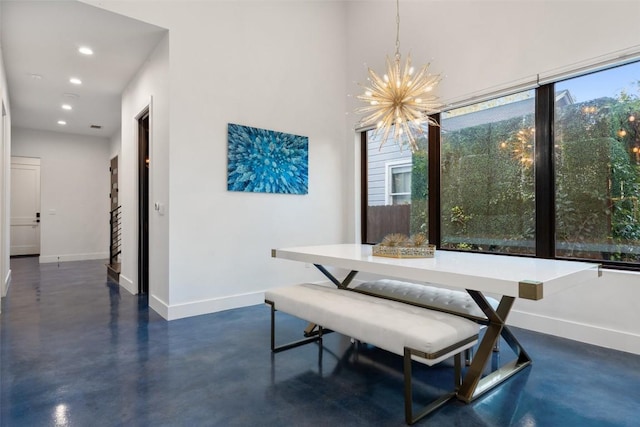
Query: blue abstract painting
{"points": [[265, 161]]}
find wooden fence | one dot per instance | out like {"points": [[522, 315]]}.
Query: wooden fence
{"points": [[382, 220]]}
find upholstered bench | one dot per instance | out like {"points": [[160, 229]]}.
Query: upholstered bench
{"points": [[449, 301], [416, 333]]}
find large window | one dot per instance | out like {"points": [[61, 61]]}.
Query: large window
{"points": [[487, 187], [597, 179], [552, 172]]}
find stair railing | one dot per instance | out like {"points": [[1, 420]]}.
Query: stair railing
{"points": [[114, 246]]}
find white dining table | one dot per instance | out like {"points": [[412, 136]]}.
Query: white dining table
{"points": [[507, 277]]}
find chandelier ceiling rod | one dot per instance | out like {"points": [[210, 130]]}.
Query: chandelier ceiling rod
{"points": [[398, 30]]}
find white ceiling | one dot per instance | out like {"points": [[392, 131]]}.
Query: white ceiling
{"points": [[42, 38]]}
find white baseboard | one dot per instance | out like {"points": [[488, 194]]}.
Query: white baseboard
{"points": [[159, 306], [127, 284], [609, 338], [196, 308], [7, 283], [73, 257]]}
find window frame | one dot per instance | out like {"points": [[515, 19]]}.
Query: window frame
{"points": [[388, 178]]}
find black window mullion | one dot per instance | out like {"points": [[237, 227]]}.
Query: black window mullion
{"points": [[364, 186], [545, 172], [433, 189]]}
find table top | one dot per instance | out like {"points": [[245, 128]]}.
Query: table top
{"points": [[499, 274]]}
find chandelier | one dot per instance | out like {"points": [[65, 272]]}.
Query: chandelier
{"points": [[399, 102]]}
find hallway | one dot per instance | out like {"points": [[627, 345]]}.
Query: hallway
{"points": [[76, 351]]}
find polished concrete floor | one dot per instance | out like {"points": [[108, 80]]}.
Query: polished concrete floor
{"points": [[78, 351]]}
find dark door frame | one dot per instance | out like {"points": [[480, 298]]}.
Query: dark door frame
{"points": [[143, 202]]}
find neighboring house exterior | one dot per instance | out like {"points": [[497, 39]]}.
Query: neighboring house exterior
{"points": [[389, 173]]}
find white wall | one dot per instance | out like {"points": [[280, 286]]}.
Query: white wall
{"points": [[74, 192], [148, 89], [5, 168], [274, 65], [481, 45], [115, 142], [602, 312]]}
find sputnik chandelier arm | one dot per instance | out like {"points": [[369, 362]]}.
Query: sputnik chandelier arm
{"points": [[399, 100]]}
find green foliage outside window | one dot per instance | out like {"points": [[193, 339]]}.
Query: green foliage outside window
{"points": [[487, 183], [487, 196], [419, 189], [598, 180]]}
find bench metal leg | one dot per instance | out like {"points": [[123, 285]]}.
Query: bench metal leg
{"points": [[312, 330], [409, 417], [274, 349]]}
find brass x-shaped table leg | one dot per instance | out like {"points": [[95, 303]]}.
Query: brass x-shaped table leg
{"points": [[474, 384]]}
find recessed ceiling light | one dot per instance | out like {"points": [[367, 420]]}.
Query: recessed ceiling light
{"points": [[75, 81], [66, 107], [62, 122], [85, 50]]}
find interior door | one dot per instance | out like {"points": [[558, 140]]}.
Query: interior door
{"points": [[25, 206]]}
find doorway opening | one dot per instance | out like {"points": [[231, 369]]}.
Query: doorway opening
{"points": [[143, 203]]}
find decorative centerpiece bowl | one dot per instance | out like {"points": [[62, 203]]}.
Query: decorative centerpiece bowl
{"points": [[400, 246]]}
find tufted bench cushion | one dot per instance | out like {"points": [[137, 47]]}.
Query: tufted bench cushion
{"points": [[387, 324], [450, 301]]}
